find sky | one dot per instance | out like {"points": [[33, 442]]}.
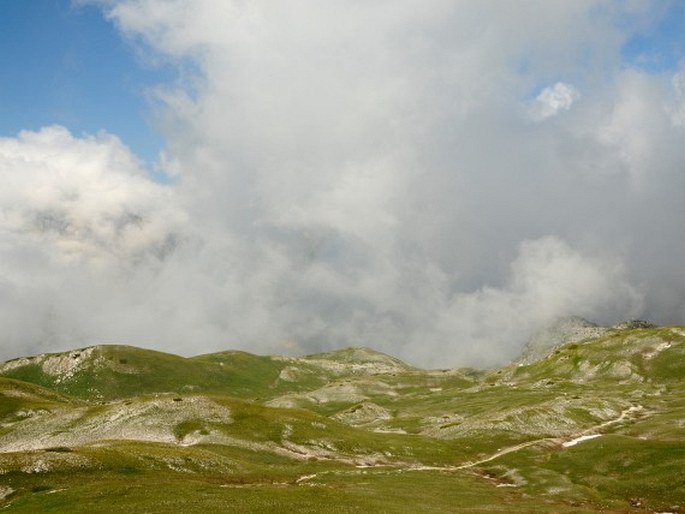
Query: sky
{"points": [[438, 180]]}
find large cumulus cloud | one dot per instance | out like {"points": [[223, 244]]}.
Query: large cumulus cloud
{"points": [[78, 217], [435, 179]]}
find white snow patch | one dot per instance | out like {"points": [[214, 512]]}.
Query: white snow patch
{"points": [[580, 439]]}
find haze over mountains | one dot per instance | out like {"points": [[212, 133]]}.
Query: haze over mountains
{"points": [[383, 209], [584, 423], [438, 179]]}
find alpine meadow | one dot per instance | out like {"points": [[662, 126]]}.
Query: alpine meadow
{"points": [[342, 256], [591, 424]]}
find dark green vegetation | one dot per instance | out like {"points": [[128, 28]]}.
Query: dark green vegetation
{"points": [[116, 428]]}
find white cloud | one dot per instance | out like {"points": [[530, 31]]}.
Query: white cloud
{"points": [[357, 173], [76, 215], [554, 99], [86, 198], [678, 116], [547, 280]]}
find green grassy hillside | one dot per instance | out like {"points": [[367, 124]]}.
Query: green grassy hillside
{"points": [[594, 425]]}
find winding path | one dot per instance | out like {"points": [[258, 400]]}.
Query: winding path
{"points": [[625, 414], [560, 440]]}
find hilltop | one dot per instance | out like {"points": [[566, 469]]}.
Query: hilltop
{"points": [[595, 422]]}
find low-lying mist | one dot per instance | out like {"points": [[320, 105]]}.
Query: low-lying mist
{"points": [[437, 180]]}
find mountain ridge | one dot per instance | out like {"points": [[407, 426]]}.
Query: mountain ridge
{"points": [[292, 427]]}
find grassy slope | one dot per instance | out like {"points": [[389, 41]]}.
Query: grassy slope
{"points": [[317, 418]]}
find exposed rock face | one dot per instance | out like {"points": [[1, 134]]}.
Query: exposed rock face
{"points": [[270, 424], [363, 413], [566, 330], [633, 324], [142, 420], [358, 359]]}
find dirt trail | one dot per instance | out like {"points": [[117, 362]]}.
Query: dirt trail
{"points": [[499, 453], [505, 451], [560, 440]]}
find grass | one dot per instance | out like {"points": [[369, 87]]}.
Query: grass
{"points": [[333, 490], [628, 468], [248, 456]]}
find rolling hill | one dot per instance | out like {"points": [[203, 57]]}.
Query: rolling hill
{"points": [[595, 423]]}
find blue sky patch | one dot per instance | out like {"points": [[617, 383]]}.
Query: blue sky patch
{"points": [[660, 49], [67, 65]]}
